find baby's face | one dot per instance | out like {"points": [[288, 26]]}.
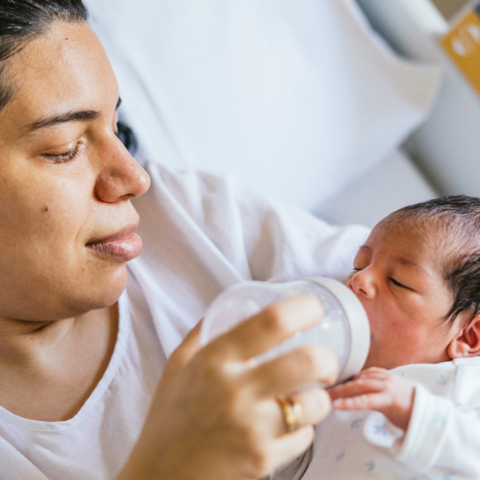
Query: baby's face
{"points": [[397, 278]]}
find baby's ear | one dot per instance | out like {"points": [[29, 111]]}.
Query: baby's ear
{"points": [[467, 341]]}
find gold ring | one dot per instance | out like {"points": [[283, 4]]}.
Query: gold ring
{"points": [[292, 412]]}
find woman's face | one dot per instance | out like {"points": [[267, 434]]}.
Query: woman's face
{"points": [[66, 181]]}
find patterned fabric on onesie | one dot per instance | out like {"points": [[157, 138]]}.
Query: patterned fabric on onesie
{"points": [[442, 441]]}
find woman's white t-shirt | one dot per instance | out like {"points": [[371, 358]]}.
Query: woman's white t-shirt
{"points": [[201, 234]]}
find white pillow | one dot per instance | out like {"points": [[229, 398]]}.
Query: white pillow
{"points": [[392, 184], [295, 96]]}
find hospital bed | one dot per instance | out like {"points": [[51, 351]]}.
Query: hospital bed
{"points": [[303, 99]]}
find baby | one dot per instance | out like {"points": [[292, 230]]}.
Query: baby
{"points": [[418, 278]]}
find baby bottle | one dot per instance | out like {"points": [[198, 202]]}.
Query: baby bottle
{"points": [[344, 328]]}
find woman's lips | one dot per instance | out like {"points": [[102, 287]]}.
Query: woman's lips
{"points": [[123, 246]]}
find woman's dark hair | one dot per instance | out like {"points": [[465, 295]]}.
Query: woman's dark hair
{"points": [[127, 137], [456, 222], [21, 21]]}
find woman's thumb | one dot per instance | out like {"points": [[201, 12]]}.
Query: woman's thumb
{"points": [[184, 352]]}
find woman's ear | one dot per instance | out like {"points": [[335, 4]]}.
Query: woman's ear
{"points": [[467, 341]]}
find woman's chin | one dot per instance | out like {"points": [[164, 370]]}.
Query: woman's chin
{"points": [[105, 289]]}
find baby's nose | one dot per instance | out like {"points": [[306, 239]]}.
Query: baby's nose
{"points": [[363, 284]]}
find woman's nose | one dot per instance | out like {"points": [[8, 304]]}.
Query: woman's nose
{"points": [[120, 177], [363, 284]]}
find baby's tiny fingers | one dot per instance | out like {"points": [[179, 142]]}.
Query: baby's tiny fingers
{"points": [[369, 401], [373, 372], [376, 369], [357, 387], [359, 402]]}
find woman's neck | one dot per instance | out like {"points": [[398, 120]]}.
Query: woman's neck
{"points": [[58, 364]]}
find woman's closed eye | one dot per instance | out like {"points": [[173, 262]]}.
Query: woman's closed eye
{"points": [[64, 157]]}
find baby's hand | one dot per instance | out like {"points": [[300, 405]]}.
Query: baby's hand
{"points": [[380, 390]]}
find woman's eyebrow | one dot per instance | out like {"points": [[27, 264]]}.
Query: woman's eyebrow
{"points": [[80, 116]]}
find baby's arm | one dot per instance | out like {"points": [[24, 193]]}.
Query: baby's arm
{"points": [[441, 439], [380, 390]]}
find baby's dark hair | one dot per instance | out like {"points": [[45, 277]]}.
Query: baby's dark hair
{"points": [[457, 222]]}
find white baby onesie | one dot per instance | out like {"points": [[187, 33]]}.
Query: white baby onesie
{"points": [[442, 441]]}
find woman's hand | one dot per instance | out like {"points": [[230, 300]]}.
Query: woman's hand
{"points": [[215, 414], [380, 390]]}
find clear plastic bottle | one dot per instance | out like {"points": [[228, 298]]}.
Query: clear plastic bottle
{"points": [[344, 328]]}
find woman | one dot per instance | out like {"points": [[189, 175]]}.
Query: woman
{"points": [[85, 387]]}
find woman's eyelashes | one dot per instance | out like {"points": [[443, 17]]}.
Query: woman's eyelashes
{"points": [[65, 157]]}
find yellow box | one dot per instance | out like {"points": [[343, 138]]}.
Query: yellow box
{"points": [[462, 44]]}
